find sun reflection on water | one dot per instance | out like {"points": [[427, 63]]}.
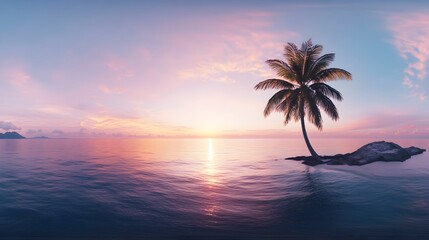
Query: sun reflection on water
{"points": [[211, 181], [210, 158], [210, 171]]}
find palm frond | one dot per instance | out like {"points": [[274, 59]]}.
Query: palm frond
{"points": [[275, 100], [282, 69], [314, 115], [320, 63], [306, 61], [291, 52], [289, 106], [327, 105], [305, 46], [330, 74], [311, 109], [316, 49], [294, 59], [313, 51], [327, 90], [311, 55], [274, 83]]}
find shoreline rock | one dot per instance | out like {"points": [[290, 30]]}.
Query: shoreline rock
{"points": [[369, 153]]}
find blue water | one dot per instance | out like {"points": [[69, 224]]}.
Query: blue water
{"points": [[206, 189]]}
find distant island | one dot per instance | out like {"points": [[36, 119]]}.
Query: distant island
{"points": [[40, 137], [11, 135], [371, 152]]}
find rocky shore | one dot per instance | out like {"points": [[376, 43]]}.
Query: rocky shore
{"points": [[369, 153]]}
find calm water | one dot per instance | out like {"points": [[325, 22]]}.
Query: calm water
{"points": [[206, 189]]}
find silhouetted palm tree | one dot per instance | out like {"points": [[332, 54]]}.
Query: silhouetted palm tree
{"points": [[303, 87]]}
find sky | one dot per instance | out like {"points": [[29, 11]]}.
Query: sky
{"points": [[188, 68]]}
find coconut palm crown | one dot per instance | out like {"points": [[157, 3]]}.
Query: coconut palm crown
{"points": [[302, 86]]}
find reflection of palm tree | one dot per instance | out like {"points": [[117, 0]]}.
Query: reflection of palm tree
{"points": [[302, 86]]}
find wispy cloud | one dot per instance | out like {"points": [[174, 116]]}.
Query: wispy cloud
{"points": [[109, 90], [383, 125], [389, 124], [17, 76], [133, 126], [411, 38], [34, 133], [8, 126], [234, 44], [20, 81]]}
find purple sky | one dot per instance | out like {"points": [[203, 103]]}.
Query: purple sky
{"points": [[130, 68]]}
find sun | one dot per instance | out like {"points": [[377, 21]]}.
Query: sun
{"points": [[209, 130]]}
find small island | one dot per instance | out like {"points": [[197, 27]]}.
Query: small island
{"points": [[11, 135], [40, 137], [371, 152]]}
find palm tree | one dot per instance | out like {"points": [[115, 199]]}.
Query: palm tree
{"points": [[303, 87]]}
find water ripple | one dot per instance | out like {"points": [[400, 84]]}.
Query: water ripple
{"points": [[206, 189]]}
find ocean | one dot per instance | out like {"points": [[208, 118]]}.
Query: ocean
{"points": [[207, 189]]}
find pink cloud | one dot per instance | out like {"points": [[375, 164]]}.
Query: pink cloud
{"points": [[411, 38], [114, 64], [238, 43], [8, 126], [109, 90], [389, 124], [407, 82], [382, 125], [21, 82], [17, 76], [136, 126]]}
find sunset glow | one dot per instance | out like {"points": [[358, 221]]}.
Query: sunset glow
{"points": [[89, 69]]}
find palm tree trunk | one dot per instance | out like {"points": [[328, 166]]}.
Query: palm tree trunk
{"points": [[307, 141]]}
